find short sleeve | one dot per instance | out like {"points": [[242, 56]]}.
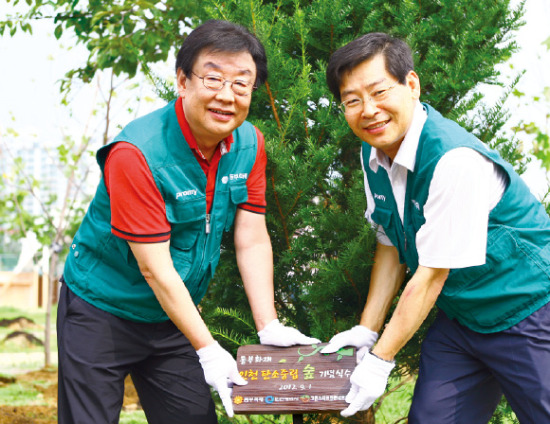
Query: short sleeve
{"points": [[138, 212], [256, 183], [457, 211]]}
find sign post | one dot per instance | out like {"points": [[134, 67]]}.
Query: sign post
{"points": [[292, 380]]}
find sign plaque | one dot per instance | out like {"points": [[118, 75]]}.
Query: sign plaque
{"points": [[293, 379]]}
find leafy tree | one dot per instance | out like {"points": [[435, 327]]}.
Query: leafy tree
{"points": [[322, 245], [59, 213], [540, 132], [118, 34], [537, 131], [56, 223]]}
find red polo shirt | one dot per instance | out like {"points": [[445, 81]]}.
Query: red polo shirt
{"points": [[138, 212]]}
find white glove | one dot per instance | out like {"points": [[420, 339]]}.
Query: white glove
{"points": [[359, 336], [220, 372], [276, 334], [368, 382]]}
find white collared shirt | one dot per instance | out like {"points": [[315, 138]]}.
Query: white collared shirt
{"points": [[464, 188]]}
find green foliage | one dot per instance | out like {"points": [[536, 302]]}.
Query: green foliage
{"points": [[322, 244], [17, 184], [118, 34], [232, 328], [504, 414], [538, 133], [488, 125]]}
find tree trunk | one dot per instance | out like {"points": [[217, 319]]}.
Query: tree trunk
{"points": [[50, 298]]}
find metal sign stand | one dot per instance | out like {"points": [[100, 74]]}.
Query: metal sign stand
{"points": [[297, 419]]}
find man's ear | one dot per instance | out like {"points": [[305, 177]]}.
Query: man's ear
{"points": [[181, 81], [413, 82]]}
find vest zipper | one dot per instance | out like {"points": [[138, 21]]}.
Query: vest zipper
{"points": [[207, 223]]}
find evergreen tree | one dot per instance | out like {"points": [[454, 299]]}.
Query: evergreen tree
{"points": [[323, 246]]}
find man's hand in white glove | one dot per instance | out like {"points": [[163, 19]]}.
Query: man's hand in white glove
{"points": [[368, 382], [220, 372], [276, 334], [359, 336]]}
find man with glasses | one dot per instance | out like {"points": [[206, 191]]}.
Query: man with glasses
{"points": [[173, 182], [476, 243]]}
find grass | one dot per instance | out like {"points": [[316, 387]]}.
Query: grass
{"points": [[396, 405], [134, 417], [24, 393], [19, 394], [39, 318]]}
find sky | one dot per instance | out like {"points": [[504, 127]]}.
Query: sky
{"points": [[534, 58], [32, 65]]}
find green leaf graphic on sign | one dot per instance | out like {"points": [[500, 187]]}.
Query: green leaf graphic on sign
{"points": [[344, 352], [303, 355]]}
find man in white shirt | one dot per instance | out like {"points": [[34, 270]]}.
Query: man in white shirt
{"points": [[474, 239]]}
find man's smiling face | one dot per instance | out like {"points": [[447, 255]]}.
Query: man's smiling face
{"points": [[213, 115], [381, 124]]}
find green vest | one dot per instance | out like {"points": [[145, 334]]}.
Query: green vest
{"points": [[102, 269], [515, 280]]}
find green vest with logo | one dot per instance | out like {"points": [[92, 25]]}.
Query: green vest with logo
{"points": [[101, 268], [515, 280]]}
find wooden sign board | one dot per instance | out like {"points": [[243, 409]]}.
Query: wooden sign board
{"points": [[293, 379]]}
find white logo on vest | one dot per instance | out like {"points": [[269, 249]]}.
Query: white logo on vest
{"points": [[186, 193], [233, 177]]}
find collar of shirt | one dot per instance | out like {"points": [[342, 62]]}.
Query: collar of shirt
{"points": [[224, 145], [406, 155]]}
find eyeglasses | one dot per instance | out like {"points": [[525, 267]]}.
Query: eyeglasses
{"points": [[355, 104], [217, 83]]}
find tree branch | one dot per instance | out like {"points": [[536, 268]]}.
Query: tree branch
{"points": [[272, 102], [283, 220]]}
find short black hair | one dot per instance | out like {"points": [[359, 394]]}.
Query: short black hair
{"points": [[397, 56], [222, 36]]}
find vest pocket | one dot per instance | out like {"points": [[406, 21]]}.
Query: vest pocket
{"points": [[82, 256], [184, 212], [238, 193], [418, 220], [188, 220], [500, 246], [182, 260], [541, 259], [384, 218], [491, 293]]}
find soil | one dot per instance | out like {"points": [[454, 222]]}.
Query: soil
{"points": [[19, 323], [19, 337], [45, 382], [22, 339]]}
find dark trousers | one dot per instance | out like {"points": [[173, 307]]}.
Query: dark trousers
{"points": [[463, 374], [97, 350]]}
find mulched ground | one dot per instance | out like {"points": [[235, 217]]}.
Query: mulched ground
{"points": [[19, 323], [45, 381], [30, 414]]}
